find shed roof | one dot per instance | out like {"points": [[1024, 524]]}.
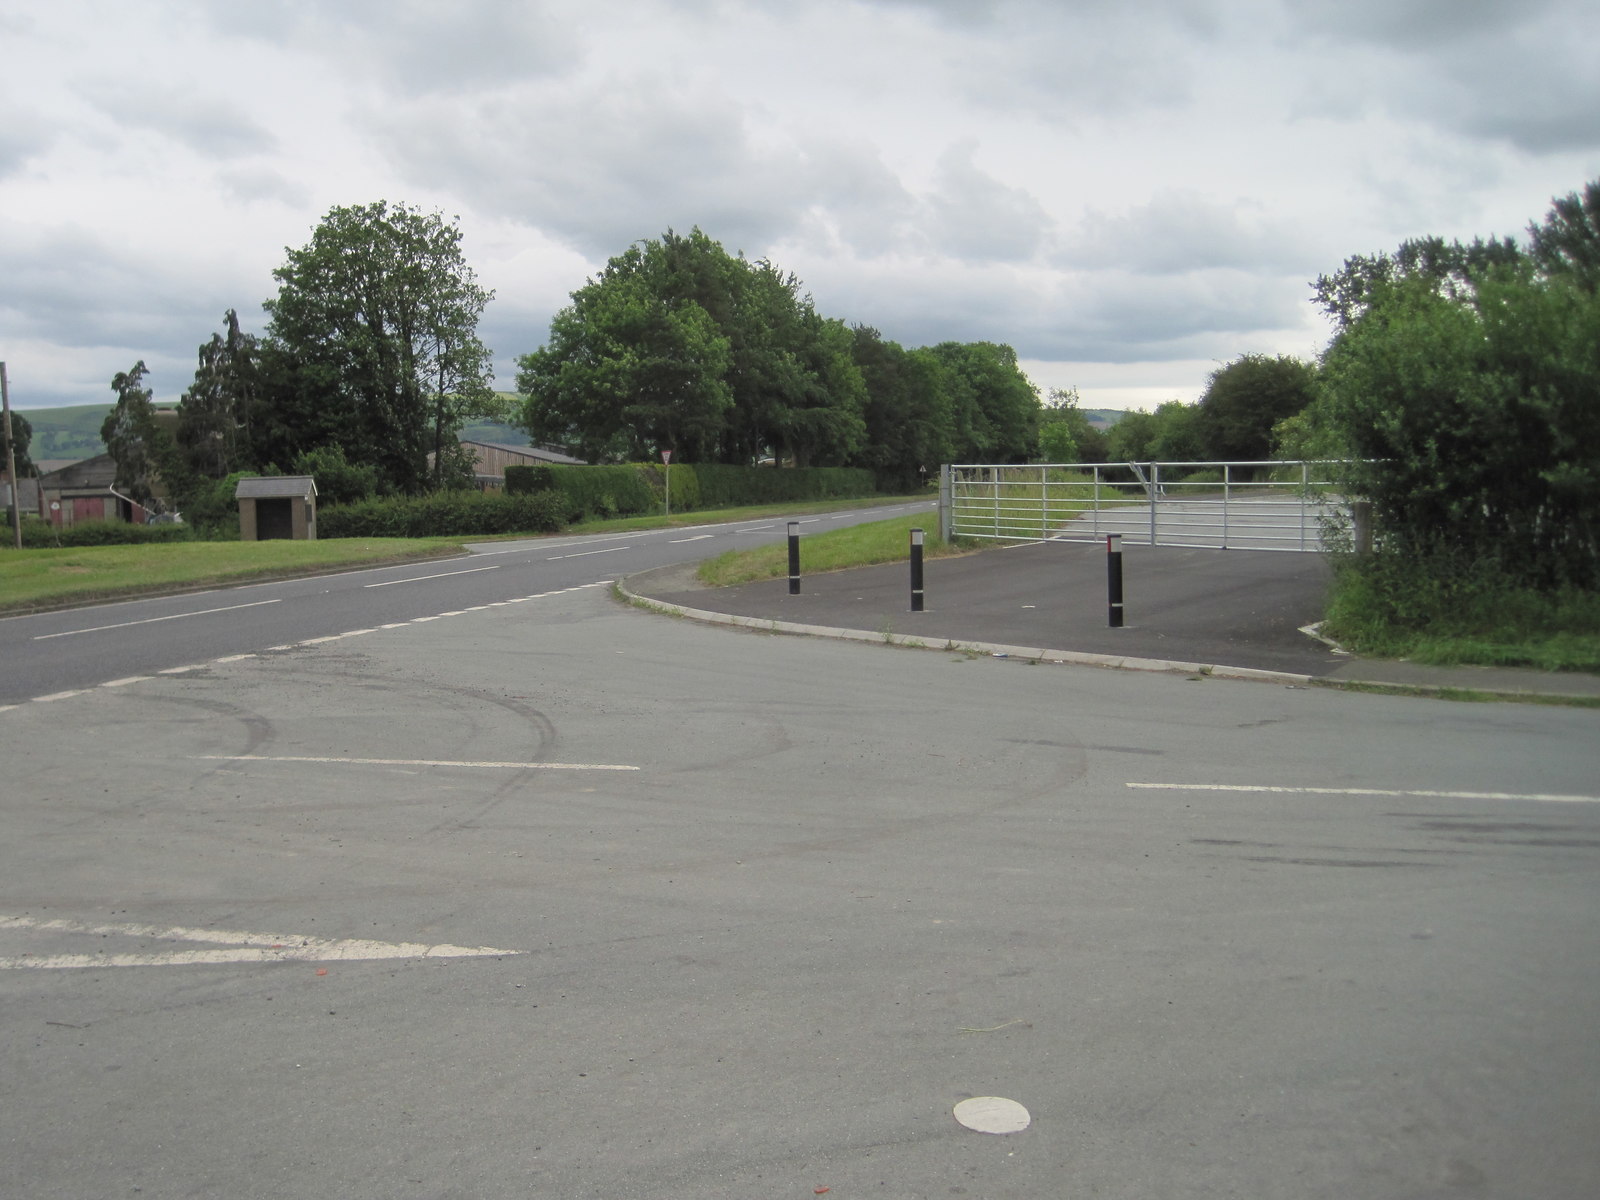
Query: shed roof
{"points": [[272, 487]]}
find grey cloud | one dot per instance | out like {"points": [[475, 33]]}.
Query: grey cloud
{"points": [[249, 185], [1179, 231], [1478, 69], [206, 124], [976, 217], [605, 168], [416, 47]]}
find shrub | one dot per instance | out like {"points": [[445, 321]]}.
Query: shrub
{"points": [[728, 487], [40, 535], [445, 514]]}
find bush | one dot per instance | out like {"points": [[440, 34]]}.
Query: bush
{"points": [[729, 487], [603, 491], [521, 480], [445, 514], [41, 535]]}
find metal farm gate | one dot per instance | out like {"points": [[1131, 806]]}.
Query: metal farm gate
{"points": [[1216, 505]]}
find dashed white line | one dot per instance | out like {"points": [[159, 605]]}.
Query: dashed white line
{"points": [[44, 637], [182, 670], [1543, 797], [699, 537], [415, 762], [124, 681], [54, 696], [437, 575], [587, 553]]}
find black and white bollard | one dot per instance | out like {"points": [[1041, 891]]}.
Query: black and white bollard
{"points": [[916, 570], [794, 558], [1114, 578]]}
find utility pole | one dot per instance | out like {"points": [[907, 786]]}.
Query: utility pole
{"points": [[11, 463]]}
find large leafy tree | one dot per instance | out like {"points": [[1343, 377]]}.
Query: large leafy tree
{"points": [[1469, 412], [1244, 400], [629, 369], [909, 429], [21, 438], [994, 406], [376, 324]]}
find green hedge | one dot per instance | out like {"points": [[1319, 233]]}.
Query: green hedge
{"points": [[445, 514], [640, 487], [728, 487], [40, 535]]}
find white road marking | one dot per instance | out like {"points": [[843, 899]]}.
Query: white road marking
{"points": [[54, 696], [44, 637], [1542, 797], [181, 670], [125, 681], [699, 537], [417, 762], [587, 553], [754, 528], [439, 575], [225, 659], [230, 947]]}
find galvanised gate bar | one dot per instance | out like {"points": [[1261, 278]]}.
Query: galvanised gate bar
{"points": [[1216, 505]]}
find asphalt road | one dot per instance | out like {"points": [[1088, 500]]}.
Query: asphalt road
{"points": [[48, 654], [332, 920]]}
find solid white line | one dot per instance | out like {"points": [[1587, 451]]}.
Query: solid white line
{"points": [[230, 947], [54, 696], [125, 681], [754, 528], [697, 538], [417, 762], [587, 553], [181, 670], [440, 575], [1324, 791], [225, 659], [44, 637]]}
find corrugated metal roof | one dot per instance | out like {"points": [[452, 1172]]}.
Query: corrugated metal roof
{"points": [[272, 487]]}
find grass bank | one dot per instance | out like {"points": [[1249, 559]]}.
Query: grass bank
{"points": [[36, 579], [858, 546], [1462, 617]]}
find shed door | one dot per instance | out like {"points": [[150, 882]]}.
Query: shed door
{"points": [[274, 519]]}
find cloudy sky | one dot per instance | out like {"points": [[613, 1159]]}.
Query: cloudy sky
{"points": [[1129, 192]]}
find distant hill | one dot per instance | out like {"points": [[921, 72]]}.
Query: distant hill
{"points": [[66, 434], [1103, 418]]}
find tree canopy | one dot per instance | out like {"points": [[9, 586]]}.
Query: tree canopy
{"points": [[678, 345], [375, 327], [1471, 413]]}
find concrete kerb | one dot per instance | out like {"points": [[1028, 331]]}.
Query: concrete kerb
{"points": [[990, 649]]}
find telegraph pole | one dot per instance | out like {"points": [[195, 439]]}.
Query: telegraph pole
{"points": [[11, 463]]}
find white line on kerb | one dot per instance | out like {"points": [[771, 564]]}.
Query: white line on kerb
{"points": [[417, 762], [230, 947], [439, 575], [44, 637], [1326, 791]]}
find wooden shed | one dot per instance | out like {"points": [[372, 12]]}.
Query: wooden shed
{"points": [[277, 506]]}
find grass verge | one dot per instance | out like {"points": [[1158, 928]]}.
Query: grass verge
{"points": [[38, 579], [1460, 617], [836, 550]]}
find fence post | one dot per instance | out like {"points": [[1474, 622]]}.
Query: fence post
{"points": [[1114, 579], [794, 558], [946, 517], [916, 570]]}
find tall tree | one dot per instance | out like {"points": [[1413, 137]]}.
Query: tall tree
{"points": [[1568, 242], [996, 408], [1245, 399], [909, 429], [21, 438], [215, 413], [377, 320], [131, 436]]}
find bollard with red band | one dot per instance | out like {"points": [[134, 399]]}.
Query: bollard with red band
{"points": [[794, 558], [916, 570]]}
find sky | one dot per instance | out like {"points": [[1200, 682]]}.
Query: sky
{"points": [[1130, 193]]}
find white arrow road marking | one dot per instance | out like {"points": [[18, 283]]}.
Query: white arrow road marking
{"points": [[1326, 791], [229, 946]]}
